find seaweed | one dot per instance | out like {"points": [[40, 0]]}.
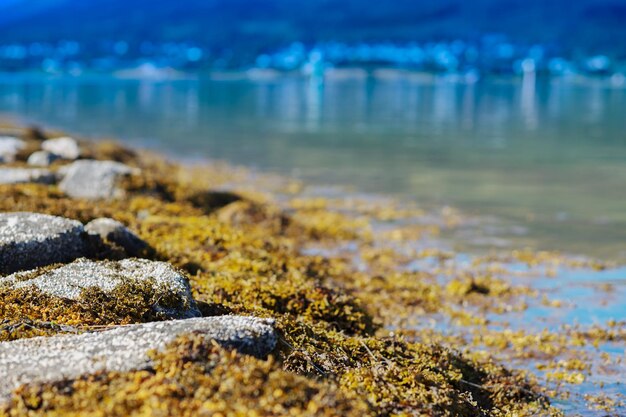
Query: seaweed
{"points": [[27, 312], [347, 342], [191, 377]]}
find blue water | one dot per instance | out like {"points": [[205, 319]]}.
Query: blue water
{"points": [[549, 155]]}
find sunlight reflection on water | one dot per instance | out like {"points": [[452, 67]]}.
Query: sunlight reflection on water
{"points": [[546, 154]]}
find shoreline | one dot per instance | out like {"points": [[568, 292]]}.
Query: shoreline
{"points": [[372, 315], [458, 157], [334, 74], [507, 230]]}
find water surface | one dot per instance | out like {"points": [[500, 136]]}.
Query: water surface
{"points": [[546, 155]]}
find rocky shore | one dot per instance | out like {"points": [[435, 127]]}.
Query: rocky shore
{"points": [[135, 286]]}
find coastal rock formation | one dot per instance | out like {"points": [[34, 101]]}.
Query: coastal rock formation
{"points": [[42, 158], [49, 359], [112, 231], [65, 147], [9, 148], [94, 180], [30, 240], [26, 175], [158, 280]]}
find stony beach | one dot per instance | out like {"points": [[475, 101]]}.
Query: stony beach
{"points": [[132, 285]]}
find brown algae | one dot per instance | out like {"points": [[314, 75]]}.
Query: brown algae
{"points": [[352, 340]]}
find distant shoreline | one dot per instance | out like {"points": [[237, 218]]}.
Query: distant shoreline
{"points": [[616, 81]]}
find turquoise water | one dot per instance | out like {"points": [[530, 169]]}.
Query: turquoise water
{"points": [[546, 158]]}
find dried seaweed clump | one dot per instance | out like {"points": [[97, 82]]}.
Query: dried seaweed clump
{"points": [[40, 198], [28, 312], [192, 377], [398, 377], [254, 273]]}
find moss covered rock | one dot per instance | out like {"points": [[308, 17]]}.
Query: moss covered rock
{"points": [[160, 281], [57, 358]]}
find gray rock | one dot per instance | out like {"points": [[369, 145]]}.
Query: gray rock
{"points": [[50, 359], [110, 230], [26, 175], [68, 281], [42, 158], [66, 148], [94, 180], [9, 147], [30, 240]]}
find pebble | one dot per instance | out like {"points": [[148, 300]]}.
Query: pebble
{"points": [[65, 147], [94, 180], [42, 158], [9, 148]]}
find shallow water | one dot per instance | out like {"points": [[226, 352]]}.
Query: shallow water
{"points": [[542, 327], [545, 158]]}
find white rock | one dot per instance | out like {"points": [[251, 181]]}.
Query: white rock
{"points": [[9, 147], [26, 175], [94, 180], [42, 158], [65, 147]]}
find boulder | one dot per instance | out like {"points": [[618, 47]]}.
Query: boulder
{"points": [[42, 158], [26, 175], [68, 281], [112, 231], [56, 358], [94, 180], [66, 148], [30, 240], [9, 148]]}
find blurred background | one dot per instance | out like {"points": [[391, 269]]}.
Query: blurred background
{"points": [[443, 36], [510, 110]]}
